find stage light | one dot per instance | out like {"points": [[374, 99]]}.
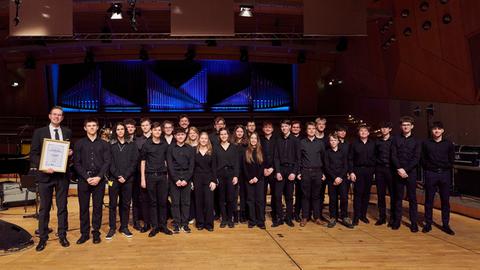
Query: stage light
{"points": [[116, 10], [424, 6], [427, 25], [15, 84], [340, 82], [190, 54], [246, 11], [301, 57], [392, 39], [407, 32], [405, 13], [244, 55], [143, 54], [447, 18]]}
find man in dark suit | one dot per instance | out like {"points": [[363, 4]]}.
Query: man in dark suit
{"points": [[48, 180]]}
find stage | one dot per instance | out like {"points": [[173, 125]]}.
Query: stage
{"points": [[312, 247]]}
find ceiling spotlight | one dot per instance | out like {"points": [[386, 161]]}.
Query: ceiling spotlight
{"points": [[427, 25], [393, 39], [424, 6], [407, 32], [447, 18], [244, 55], [143, 54], [246, 11], [116, 10], [405, 13], [15, 84]]}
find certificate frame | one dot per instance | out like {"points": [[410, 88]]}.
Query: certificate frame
{"points": [[54, 155]]}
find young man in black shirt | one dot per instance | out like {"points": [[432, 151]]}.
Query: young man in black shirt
{"points": [[437, 159], [251, 127], [384, 174], [218, 123], [184, 122], [321, 125], [48, 181], [167, 132], [153, 172], [287, 159], [268, 145], [297, 132], [180, 162], [406, 151], [312, 154], [362, 164], [92, 161]]}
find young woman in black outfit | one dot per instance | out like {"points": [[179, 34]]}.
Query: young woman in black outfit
{"points": [[241, 141], [122, 168], [227, 172], [253, 167], [204, 182]]}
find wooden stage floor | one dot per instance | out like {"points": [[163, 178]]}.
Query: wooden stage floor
{"points": [[312, 247]]}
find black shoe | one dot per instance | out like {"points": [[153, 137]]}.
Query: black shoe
{"points": [[82, 239], [251, 225], [200, 227], [322, 218], [137, 226], [365, 220], [37, 232], [261, 226], [63, 241], [41, 245], [380, 222], [395, 226], [332, 222], [414, 228], [231, 224], [145, 229], [110, 234], [176, 229], [126, 232], [96, 239], [242, 218], [355, 222], [290, 223], [166, 230], [427, 228], [186, 229], [448, 230], [153, 232], [347, 223], [223, 224], [297, 218], [210, 229]]}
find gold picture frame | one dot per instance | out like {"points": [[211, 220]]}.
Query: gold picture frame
{"points": [[54, 155]]}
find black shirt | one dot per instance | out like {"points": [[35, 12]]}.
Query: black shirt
{"points": [[312, 153], [336, 164], [206, 164], [325, 140], [438, 155], [287, 153], [154, 155], [406, 152], [140, 141], [383, 151], [268, 146], [227, 158], [124, 159], [180, 161], [93, 156], [213, 137], [162, 137], [254, 169], [362, 154]]}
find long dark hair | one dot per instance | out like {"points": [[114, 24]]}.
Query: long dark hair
{"points": [[239, 141], [114, 137]]}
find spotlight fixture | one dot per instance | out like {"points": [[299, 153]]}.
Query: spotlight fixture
{"points": [[334, 82], [246, 11], [301, 57], [14, 84], [427, 25], [143, 54], [16, 20], [244, 55], [407, 32], [424, 6], [116, 10], [447, 18], [392, 39], [405, 13], [190, 54]]}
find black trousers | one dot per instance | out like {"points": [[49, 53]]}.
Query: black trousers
{"points": [[256, 201], [242, 190], [58, 183], [336, 193], [384, 179], [442, 181], [270, 181], [85, 191], [140, 202], [193, 205], [410, 184], [361, 191], [285, 188], [226, 194], [119, 194], [157, 186], [298, 198], [311, 186], [180, 197], [203, 200]]}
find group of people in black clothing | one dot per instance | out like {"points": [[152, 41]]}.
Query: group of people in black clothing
{"points": [[227, 176]]}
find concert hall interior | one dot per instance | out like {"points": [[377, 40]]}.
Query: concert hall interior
{"points": [[359, 65]]}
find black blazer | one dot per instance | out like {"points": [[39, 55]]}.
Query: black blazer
{"points": [[36, 148]]}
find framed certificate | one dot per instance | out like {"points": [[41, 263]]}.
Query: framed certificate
{"points": [[54, 155]]}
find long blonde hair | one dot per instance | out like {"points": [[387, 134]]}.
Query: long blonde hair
{"points": [[209, 144], [250, 148], [190, 142]]}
